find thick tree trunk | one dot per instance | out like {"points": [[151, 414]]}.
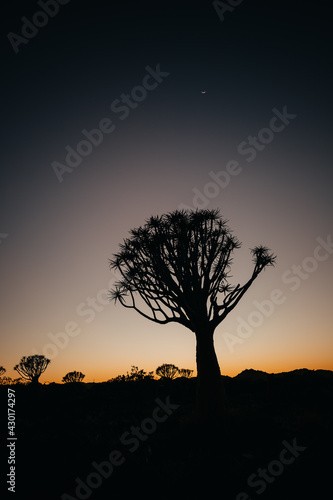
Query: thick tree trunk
{"points": [[211, 397], [35, 380]]}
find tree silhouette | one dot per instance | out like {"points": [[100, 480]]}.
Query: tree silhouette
{"points": [[31, 367], [176, 266], [185, 372], [73, 377], [167, 371], [2, 370]]}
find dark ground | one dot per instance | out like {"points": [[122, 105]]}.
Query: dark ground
{"points": [[62, 429]]}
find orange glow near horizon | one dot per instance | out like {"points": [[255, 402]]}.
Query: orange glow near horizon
{"points": [[56, 291], [104, 340], [252, 354], [103, 376]]}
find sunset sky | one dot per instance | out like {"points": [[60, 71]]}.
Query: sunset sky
{"points": [[257, 145]]}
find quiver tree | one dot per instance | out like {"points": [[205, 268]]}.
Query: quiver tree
{"points": [[185, 372], [31, 367], [167, 371], [2, 370], [176, 269], [73, 377]]}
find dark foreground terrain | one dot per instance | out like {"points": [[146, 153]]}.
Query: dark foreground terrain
{"points": [[126, 440]]}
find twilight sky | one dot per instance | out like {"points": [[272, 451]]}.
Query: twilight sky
{"points": [[257, 145]]}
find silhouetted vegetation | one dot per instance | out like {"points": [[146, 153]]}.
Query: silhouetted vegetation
{"points": [[134, 376], [185, 372], [5, 381], [175, 268], [167, 371], [10, 381], [74, 376], [30, 368], [2, 370]]}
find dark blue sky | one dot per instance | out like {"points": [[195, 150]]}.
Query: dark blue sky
{"points": [[160, 154]]}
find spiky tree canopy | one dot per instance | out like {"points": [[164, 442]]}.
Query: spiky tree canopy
{"points": [[178, 265], [167, 371], [185, 372], [73, 377], [31, 367]]}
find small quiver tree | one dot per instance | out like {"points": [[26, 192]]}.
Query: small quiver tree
{"points": [[31, 367], [167, 371], [185, 372], [74, 376]]}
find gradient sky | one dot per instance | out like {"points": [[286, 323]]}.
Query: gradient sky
{"points": [[57, 237]]}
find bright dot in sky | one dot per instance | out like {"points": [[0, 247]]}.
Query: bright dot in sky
{"points": [[203, 91]]}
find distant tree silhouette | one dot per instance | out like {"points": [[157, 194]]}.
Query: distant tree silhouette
{"points": [[185, 372], [175, 269], [31, 367], [73, 377], [167, 371], [2, 370]]}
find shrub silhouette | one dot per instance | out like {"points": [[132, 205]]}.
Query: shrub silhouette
{"points": [[31, 367], [73, 377], [134, 376], [6, 381], [19, 381], [11, 381], [167, 371], [175, 268], [137, 374], [2, 370]]}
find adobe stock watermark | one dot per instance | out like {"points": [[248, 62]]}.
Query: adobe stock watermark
{"points": [[122, 107], [88, 309], [30, 28], [293, 278], [250, 147], [222, 7], [263, 477], [131, 440]]}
